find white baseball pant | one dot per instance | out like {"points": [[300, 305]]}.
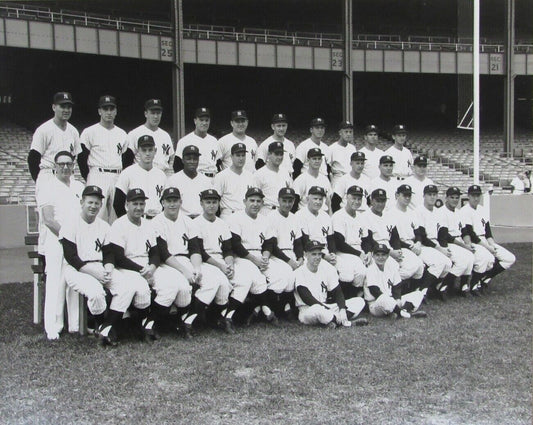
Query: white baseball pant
{"points": [[279, 276], [438, 264], [318, 314], [106, 182], [351, 269], [252, 272], [139, 286], [385, 304], [45, 176], [411, 265], [504, 256], [88, 286], [462, 260], [170, 285], [483, 259]]}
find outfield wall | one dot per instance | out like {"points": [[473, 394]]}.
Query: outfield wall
{"points": [[511, 220]]}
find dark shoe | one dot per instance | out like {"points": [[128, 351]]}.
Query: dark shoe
{"points": [[150, 333], [419, 314], [273, 320], [185, 330], [360, 321], [331, 325], [252, 318], [107, 340], [226, 325]]}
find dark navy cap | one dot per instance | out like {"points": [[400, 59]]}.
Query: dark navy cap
{"points": [[316, 190], [358, 156], [431, 188], [254, 191], [371, 128], [421, 160], [191, 150], [316, 122], [345, 124], [209, 194], [405, 189], [475, 190], [355, 190], [134, 194], [399, 129], [314, 152], [238, 147], [275, 147], [145, 140], [286, 192], [279, 118], [453, 190], [314, 245], [107, 100], [153, 104], [386, 159], [63, 97], [92, 190], [171, 192], [381, 248], [379, 194], [202, 112], [239, 115]]}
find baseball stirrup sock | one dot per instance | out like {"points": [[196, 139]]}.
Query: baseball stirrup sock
{"points": [[496, 270]]}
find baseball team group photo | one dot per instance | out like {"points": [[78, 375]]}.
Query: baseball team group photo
{"points": [[209, 236]]}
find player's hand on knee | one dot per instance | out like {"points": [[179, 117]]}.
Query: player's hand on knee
{"points": [[191, 278]]}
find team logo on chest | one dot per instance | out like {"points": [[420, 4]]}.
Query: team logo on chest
{"points": [[98, 245], [389, 229], [324, 287], [483, 222], [220, 240], [389, 283], [293, 235], [119, 149], [159, 190], [148, 245], [325, 230], [71, 148], [360, 232], [185, 239], [261, 237], [252, 154], [165, 148], [213, 155], [460, 225]]}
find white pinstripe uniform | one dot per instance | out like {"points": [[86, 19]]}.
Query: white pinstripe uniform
{"points": [[208, 147], [349, 266], [286, 230], [214, 285], [89, 239], [224, 148], [403, 161], [371, 169], [270, 182], [301, 154], [152, 182], [163, 144], [305, 181], [106, 147], [213, 234], [340, 160], [65, 201], [418, 186], [388, 186], [385, 279], [253, 233], [190, 191], [289, 153], [347, 181], [232, 187]]}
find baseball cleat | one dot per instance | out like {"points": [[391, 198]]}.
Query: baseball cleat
{"points": [[404, 314], [331, 325], [107, 336], [419, 314], [346, 323], [226, 325], [186, 331], [150, 333], [360, 321], [252, 318], [392, 316], [273, 320]]}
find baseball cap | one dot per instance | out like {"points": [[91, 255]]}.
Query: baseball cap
{"points": [[358, 156], [153, 104], [431, 188], [279, 118], [315, 122], [107, 100], [92, 190], [421, 160], [316, 190], [134, 194], [386, 159], [371, 128], [171, 192], [345, 124], [355, 190], [398, 129], [239, 115], [191, 150], [313, 152], [453, 190], [63, 153], [405, 189], [238, 147], [380, 247], [254, 191], [209, 194], [145, 140], [62, 97], [379, 194], [202, 112], [275, 147], [286, 192], [475, 190], [314, 245]]}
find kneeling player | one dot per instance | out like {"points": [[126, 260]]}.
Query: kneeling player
{"points": [[87, 269], [314, 284], [382, 288]]}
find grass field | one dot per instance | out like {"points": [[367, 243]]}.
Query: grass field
{"points": [[469, 362]]}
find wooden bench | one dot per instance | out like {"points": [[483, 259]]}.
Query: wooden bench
{"points": [[37, 268]]}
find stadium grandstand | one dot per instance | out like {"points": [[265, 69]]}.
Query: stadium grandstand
{"points": [[427, 102]]}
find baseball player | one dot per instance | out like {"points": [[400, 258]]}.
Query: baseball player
{"points": [[233, 182], [239, 124], [372, 153], [135, 255], [348, 231], [403, 159], [271, 177], [301, 162], [408, 224], [51, 137], [143, 175], [312, 177], [428, 230], [418, 181], [207, 145], [164, 159], [58, 199], [250, 241], [190, 182], [87, 268], [380, 228], [477, 231], [286, 236], [279, 126], [385, 180], [103, 145], [463, 259], [382, 288], [314, 284], [341, 152], [353, 178], [216, 242], [180, 250]]}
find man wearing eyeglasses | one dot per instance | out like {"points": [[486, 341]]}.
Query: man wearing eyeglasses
{"points": [[58, 200]]}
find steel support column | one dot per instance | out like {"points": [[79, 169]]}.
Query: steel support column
{"points": [[178, 95], [508, 106], [347, 78]]}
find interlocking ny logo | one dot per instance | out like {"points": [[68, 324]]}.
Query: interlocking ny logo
{"points": [[71, 148], [185, 239], [252, 153], [213, 155], [389, 282], [119, 149], [389, 229], [98, 245], [148, 245], [293, 235], [166, 149], [159, 190], [220, 240], [460, 225], [325, 230], [483, 222], [65, 96], [324, 287], [360, 232]]}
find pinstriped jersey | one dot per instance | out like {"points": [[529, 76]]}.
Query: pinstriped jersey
{"points": [[135, 239], [49, 139], [253, 231], [318, 227], [163, 144], [175, 233], [105, 146], [213, 234], [88, 237], [451, 220], [319, 283], [384, 279], [350, 227], [285, 229]]}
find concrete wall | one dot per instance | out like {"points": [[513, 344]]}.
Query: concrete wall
{"points": [[12, 226]]}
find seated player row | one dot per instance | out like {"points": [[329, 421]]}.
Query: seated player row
{"points": [[104, 149]]}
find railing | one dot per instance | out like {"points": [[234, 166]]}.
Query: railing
{"points": [[259, 35]]}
